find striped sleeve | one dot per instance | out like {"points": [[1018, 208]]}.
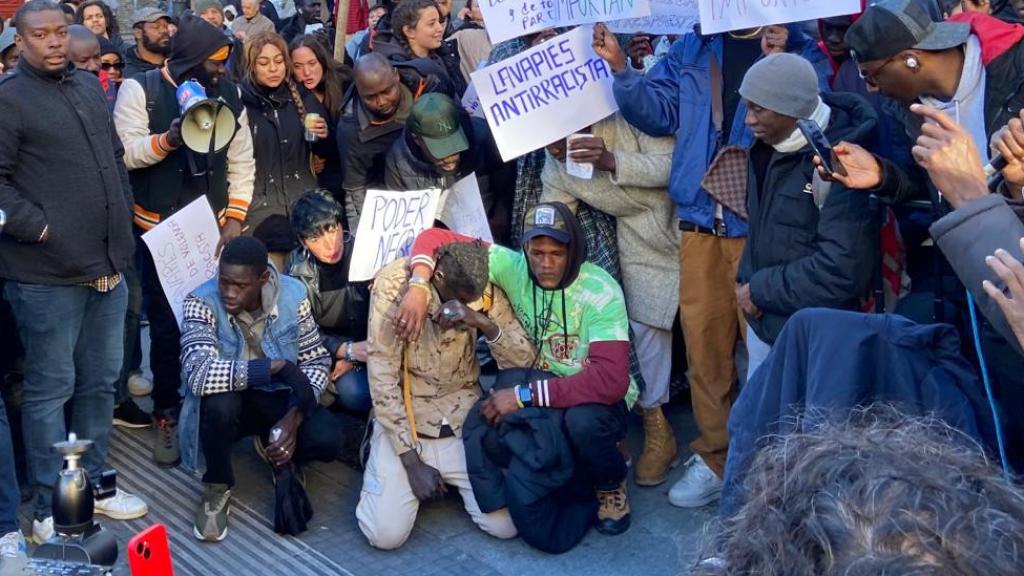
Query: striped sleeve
{"points": [[204, 372], [313, 360]]}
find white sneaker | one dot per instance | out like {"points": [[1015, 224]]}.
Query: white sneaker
{"points": [[121, 506], [698, 487], [12, 545], [42, 530], [139, 385]]}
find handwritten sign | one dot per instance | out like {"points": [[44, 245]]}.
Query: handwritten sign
{"points": [[667, 17], [462, 209], [388, 225], [183, 249], [546, 93], [507, 19], [725, 15]]}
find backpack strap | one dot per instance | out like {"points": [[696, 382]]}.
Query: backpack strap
{"points": [[151, 85]]}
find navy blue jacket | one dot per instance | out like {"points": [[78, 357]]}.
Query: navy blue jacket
{"points": [[674, 99], [826, 362]]}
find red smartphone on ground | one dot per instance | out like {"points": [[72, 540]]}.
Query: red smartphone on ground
{"points": [[149, 553]]}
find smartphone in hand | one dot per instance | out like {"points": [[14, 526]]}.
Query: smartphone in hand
{"points": [[820, 145]]}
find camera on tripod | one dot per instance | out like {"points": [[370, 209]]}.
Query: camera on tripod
{"points": [[78, 538]]}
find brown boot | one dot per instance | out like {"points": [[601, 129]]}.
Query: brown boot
{"points": [[613, 515], [660, 453]]}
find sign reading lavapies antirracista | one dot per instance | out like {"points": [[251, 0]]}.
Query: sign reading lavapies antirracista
{"points": [[545, 93]]}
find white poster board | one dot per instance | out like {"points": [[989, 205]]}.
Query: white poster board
{"points": [[471, 102], [725, 15], [507, 19], [462, 209], [388, 225], [546, 93], [667, 17], [183, 249]]}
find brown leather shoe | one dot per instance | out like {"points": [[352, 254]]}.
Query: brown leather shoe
{"points": [[660, 453], [613, 514]]}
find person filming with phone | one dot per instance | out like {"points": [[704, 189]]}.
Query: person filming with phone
{"points": [[812, 243]]}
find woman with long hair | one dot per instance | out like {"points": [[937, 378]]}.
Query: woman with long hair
{"points": [[317, 73], [277, 118], [427, 63], [97, 17]]}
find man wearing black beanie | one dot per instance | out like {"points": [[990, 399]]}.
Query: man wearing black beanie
{"points": [[166, 176]]}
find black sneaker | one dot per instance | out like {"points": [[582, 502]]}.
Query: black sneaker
{"points": [[129, 415]]}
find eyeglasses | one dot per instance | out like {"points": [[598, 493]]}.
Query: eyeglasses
{"points": [[872, 77], [111, 65]]}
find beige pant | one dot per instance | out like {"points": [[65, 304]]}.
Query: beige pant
{"points": [[387, 507]]}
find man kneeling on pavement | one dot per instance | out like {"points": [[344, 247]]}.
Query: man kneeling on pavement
{"points": [[423, 388], [252, 361], [565, 446]]}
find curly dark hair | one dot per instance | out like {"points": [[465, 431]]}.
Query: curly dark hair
{"points": [[879, 493], [408, 14], [464, 267]]}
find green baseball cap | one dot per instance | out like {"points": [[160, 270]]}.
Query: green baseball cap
{"points": [[435, 119]]}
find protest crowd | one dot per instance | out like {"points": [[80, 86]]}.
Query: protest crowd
{"points": [[460, 254]]}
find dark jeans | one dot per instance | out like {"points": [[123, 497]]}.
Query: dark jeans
{"points": [[164, 337], [74, 346], [354, 391], [132, 337], [10, 494], [595, 431], [224, 418]]}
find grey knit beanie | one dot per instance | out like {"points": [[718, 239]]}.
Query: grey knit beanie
{"points": [[784, 83]]}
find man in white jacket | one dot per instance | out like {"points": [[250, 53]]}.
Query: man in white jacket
{"points": [[166, 176]]}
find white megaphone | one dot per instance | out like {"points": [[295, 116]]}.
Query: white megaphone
{"points": [[207, 125]]}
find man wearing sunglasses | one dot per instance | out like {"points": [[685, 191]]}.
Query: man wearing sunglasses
{"points": [[971, 66], [111, 61]]}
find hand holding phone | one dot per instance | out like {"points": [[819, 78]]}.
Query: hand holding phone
{"points": [[821, 147]]}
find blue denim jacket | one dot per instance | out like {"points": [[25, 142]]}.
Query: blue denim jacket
{"points": [[281, 339]]}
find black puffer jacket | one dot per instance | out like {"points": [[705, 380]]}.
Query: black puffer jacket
{"points": [[796, 255], [283, 170], [441, 72]]}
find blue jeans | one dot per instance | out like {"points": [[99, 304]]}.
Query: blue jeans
{"points": [[74, 345], [354, 390], [10, 494]]}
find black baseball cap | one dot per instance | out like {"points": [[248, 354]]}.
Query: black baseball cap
{"points": [[892, 26], [545, 220], [435, 119]]}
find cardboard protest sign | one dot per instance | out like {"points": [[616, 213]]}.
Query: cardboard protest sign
{"points": [[388, 225], [462, 209], [725, 15], [507, 19], [546, 93], [667, 17], [183, 249]]}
